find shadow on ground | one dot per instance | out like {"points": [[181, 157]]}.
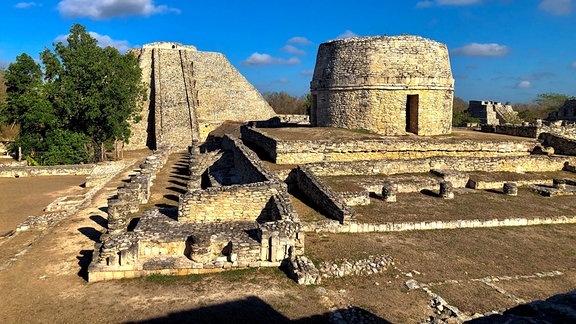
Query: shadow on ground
{"points": [[255, 310]]}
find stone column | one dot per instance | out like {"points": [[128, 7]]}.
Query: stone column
{"points": [[510, 189], [389, 191], [446, 190]]}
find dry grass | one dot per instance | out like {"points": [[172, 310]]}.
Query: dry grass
{"points": [[462, 255], [468, 204], [513, 176]]}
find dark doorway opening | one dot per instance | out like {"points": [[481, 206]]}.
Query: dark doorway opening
{"points": [[412, 114]]}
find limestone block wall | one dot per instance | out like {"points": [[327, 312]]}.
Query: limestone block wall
{"points": [[561, 128], [389, 85], [236, 202], [298, 152], [249, 166], [328, 201], [561, 144], [51, 170], [190, 94], [532, 163], [224, 94]]}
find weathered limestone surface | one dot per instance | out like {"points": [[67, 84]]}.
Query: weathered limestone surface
{"points": [[327, 199], [561, 144], [492, 113], [35, 171], [531, 163], [303, 151], [371, 83], [190, 94]]}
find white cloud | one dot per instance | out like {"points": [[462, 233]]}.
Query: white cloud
{"points": [[299, 40], [429, 3], [524, 85], [25, 5], [257, 59], [347, 34], [476, 49], [573, 65], [281, 80], [307, 72], [556, 7], [424, 4], [103, 9], [103, 41], [293, 50], [457, 2]]}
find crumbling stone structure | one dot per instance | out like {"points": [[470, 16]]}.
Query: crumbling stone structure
{"points": [[388, 85], [492, 112], [235, 214], [190, 94]]}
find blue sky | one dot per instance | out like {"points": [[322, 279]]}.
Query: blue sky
{"points": [[504, 50]]}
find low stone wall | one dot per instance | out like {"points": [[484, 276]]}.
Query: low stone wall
{"points": [[356, 198], [532, 163], [561, 144], [329, 202], [56, 211], [562, 128], [53, 170], [247, 162], [531, 131], [134, 193], [299, 151], [260, 140], [330, 226], [236, 202]]}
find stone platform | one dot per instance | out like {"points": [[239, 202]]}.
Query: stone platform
{"points": [[301, 145]]}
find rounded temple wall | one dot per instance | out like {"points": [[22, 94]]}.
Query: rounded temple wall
{"points": [[389, 85]]}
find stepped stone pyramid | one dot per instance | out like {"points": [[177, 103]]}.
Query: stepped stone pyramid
{"points": [[190, 94]]}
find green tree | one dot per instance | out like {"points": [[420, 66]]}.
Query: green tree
{"points": [[283, 103], [459, 114], [84, 100]]}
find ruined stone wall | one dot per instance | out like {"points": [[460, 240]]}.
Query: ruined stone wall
{"points": [[532, 163], [365, 83], [298, 152], [190, 94], [52, 170], [562, 145], [492, 112], [249, 166], [533, 130], [236, 202], [327, 200], [247, 201]]}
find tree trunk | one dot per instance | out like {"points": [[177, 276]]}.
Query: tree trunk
{"points": [[102, 152]]}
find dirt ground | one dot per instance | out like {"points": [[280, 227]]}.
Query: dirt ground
{"points": [[23, 197], [42, 274]]}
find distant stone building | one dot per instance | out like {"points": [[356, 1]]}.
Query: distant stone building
{"points": [[388, 85], [191, 93], [492, 112], [567, 112]]}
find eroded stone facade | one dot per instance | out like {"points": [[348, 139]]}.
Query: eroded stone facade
{"points": [[388, 85], [191, 93], [492, 112]]}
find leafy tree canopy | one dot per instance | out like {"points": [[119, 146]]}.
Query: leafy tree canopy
{"points": [[84, 98]]}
